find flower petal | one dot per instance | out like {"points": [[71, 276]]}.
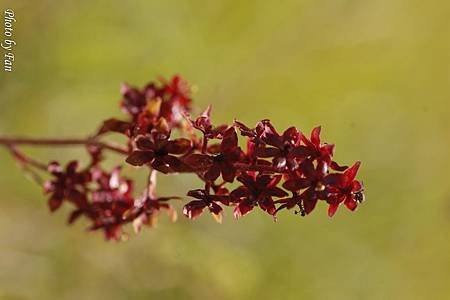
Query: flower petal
{"points": [[199, 162], [168, 164], [74, 215], [265, 152], [242, 209], [197, 193], [71, 167], [291, 135], [178, 146], [228, 172], [309, 205], [54, 203], [239, 193], [230, 140], [215, 208], [163, 127], [268, 206], [350, 203], [307, 168], [213, 172], [194, 208], [144, 143], [315, 136], [356, 186], [247, 180], [335, 179], [54, 168], [301, 152], [351, 172], [309, 200], [332, 209], [114, 125], [138, 158], [276, 192], [296, 184], [335, 166]]}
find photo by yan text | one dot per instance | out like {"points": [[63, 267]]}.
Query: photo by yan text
{"points": [[8, 42]]}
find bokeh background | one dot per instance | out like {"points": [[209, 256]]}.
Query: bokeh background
{"points": [[374, 74]]}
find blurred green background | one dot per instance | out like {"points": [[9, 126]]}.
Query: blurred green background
{"points": [[374, 74]]}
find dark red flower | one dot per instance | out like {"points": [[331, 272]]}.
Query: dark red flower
{"points": [[257, 189], [167, 99], [203, 124], [334, 188], [159, 151], [147, 210], [110, 200], [68, 184], [344, 189], [285, 149], [223, 162], [134, 100], [111, 186], [194, 208], [265, 142], [176, 100], [313, 179], [321, 152]]}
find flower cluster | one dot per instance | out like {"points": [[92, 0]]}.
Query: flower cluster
{"points": [[274, 171]]}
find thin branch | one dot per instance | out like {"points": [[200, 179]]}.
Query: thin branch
{"points": [[13, 141], [25, 162]]}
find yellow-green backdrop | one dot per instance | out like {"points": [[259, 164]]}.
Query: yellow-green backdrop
{"points": [[374, 74]]}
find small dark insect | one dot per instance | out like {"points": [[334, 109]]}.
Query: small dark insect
{"points": [[302, 211], [359, 196]]}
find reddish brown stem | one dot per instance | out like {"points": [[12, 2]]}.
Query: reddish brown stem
{"points": [[13, 141], [25, 160], [25, 163]]}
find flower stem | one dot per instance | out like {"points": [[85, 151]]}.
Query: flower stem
{"points": [[14, 141], [151, 183]]}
